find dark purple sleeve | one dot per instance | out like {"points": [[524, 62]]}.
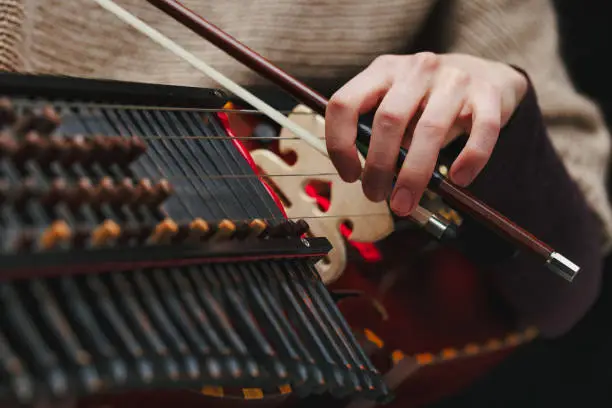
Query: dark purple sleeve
{"points": [[526, 181]]}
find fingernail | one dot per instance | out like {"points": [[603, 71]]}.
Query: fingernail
{"points": [[402, 201], [378, 194], [463, 177], [377, 184], [349, 170]]}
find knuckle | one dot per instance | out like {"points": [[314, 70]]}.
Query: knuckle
{"points": [[338, 104], [385, 61], [378, 161], [490, 125], [490, 90], [337, 146], [414, 178], [477, 155], [432, 128], [388, 120], [457, 78], [426, 61]]}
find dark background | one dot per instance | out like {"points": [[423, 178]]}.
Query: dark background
{"points": [[575, 370]]}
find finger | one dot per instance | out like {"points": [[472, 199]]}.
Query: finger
{"points": [[455, 131], [358, 96], [391, 121], [445, 103], [486, 125]]}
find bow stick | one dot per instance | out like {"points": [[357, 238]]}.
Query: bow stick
{"points": [[453, 194]]}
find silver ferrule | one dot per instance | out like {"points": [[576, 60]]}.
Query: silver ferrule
{"points": [[420, 215], [431, 223], [562, 266], [436, 226]]}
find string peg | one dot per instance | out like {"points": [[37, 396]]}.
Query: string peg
{"points": [[44, 150], [134, 231], [8, 145], [47, 121], [163, 232], [4, 191], [242, 230], [76, 150], [296, 228], [143, 192], [83, 192], [137, 148], [302, 227], [105, 233], [119, 149], [125, 191], [142, 232], [104, 192], [101, 149], [80, 235], [58, 191], [53, 149], [29, 147], [63, 149], [249, 229], [257, 228], [43, 120], [24, 242], [7, 113], [161, 191], [225, 229], [55, 235], [26, 191], [198, 230], [284, 229]]}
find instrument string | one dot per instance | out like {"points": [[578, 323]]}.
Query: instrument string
{"points": [[222, 137], [255, 176], [238, 111]]}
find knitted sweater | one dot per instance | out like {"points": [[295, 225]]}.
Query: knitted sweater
{"points": [[318, 40]]}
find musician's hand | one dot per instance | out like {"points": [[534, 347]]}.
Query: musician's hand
{"points": [[424, 101]]}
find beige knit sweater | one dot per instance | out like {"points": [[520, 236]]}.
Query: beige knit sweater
{"points": [[316, 39]]}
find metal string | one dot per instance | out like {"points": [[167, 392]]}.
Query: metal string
{"points": [[254, 112], [221, 137]]}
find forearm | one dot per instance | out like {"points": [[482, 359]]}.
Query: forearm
{"points": [[526, 181]]}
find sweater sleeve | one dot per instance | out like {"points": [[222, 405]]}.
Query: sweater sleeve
{"points": [[527, 181], [11, 35], [524, 34], [548, 170]]}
